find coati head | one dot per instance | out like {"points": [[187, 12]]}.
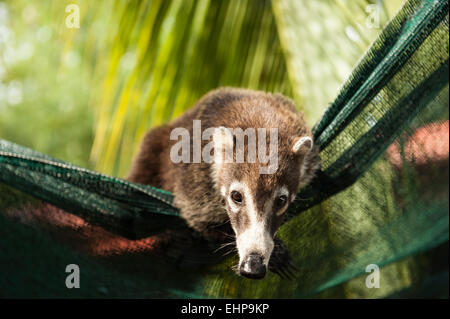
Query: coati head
{"points": [[256, 202]]}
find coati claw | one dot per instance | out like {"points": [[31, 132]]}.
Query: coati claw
{"points": [[291, 265], [280, 261]]}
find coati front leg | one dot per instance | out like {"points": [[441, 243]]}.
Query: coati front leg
{"points": [[281, 262]]}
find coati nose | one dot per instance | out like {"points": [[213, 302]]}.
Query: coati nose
{"points": [[253, 267]]}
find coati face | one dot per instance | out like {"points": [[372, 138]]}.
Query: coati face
{"points": [[256, 203]]}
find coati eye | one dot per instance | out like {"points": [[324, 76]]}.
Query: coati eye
{"points": [[236, 197], [280, 201]]}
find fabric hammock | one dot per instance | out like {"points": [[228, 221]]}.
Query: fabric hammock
{"points": [[363, 208]]}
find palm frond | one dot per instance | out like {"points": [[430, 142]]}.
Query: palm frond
{"points": [[182, 50]]}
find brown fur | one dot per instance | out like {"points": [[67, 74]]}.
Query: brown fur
{"points": [[196, 193]]}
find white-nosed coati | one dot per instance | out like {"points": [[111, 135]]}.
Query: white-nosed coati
{"points": [[212, 193]]}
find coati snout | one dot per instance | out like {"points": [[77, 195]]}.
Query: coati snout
{"points": [[251, 194]]}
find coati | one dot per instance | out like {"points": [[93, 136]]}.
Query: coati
{"points": [[212, 193]]}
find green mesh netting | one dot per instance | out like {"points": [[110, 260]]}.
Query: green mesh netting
{"points": [[381, 198]]}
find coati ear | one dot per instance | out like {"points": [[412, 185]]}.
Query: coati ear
{"points": [[223, 142], [302, 145], [222, 137]]}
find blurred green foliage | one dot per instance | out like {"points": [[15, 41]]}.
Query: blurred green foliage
{"points": [[87, 95], [44, 99]]}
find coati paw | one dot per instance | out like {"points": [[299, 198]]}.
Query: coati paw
{"points": [[280, 261]]}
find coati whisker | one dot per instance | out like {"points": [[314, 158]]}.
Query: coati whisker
{"points": [[235, 268], [226, 234], [224, 246], [234, 249]]}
